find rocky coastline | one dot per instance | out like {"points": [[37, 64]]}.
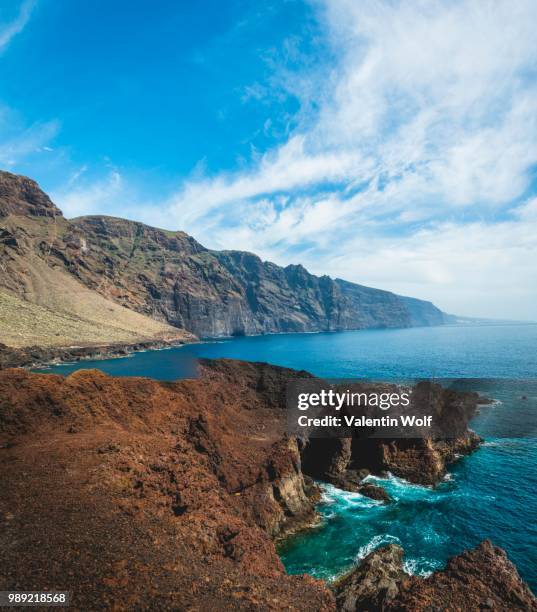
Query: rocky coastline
{"points": [[156, 495], [482, 578], [43, 356], [170, 278]]}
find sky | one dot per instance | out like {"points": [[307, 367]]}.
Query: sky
{"points": [[387, 142]]}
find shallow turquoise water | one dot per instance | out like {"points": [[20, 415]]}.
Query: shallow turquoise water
{"points": [[492, 493]]}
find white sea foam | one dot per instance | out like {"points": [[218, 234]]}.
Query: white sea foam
{"points": [[374, 543], [332, 495], [494, 402], [415, 567], [399, 488]]}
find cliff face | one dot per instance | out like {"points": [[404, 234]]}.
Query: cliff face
{"points": [[170, 277], [21, 196], [346, 461], [137, 494], [41, 302], [173, 278]]}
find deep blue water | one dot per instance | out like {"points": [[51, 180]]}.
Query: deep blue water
{"points": [[492, 493], [450, 351]]}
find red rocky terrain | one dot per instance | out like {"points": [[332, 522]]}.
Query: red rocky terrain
{"points": [[137, 494]]}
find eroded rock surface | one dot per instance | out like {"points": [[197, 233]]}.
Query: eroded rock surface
{"points": [[375, 583], [479, 579], [146, 495], [138, 494], [344, 462], [170, 277]]}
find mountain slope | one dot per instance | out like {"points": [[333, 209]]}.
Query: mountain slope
{"points": [[41, 303], [171, 278]]}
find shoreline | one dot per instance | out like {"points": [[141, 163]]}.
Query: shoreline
{"points": [[154, 463], [41, 357], [44, 356]]}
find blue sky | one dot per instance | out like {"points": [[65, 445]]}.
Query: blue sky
{"points": [[386, 142]]}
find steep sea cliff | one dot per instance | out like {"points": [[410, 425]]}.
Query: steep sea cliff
{"points": [[171, 278]]}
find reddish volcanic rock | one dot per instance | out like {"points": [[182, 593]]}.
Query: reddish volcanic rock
{"points": [[20, 195], [137, 494], [479, 579], [141, 494]]}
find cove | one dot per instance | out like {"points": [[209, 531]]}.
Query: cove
{"points": [[489, 494]]}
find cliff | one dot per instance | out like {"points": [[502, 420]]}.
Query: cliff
{"points": [[171, 278], [345, 462], [137, 494], [41, 302]]}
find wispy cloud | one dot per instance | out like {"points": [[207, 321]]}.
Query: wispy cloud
{"points": [[9, 30], [18, 140], [81, 198], [409, 156]]}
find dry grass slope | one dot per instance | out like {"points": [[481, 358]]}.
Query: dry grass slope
{"points": [[25, 324]]}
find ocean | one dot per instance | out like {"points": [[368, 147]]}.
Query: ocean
{"points": [[489, 494]]}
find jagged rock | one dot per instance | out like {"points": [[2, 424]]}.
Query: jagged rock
{"points": [[20, 195], [344, 462], [374, 583], [375, 492], [35, 356], [149, 495], [481, 578], [327, 459], [152, 495], [477, 579]]}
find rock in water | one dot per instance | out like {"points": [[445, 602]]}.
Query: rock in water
{"points": [[374, 583], [137, 494], [479, 579]]}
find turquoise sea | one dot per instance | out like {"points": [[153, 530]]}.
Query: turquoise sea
{"points": [[490, 494]]}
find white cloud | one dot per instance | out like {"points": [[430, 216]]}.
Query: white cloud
{"points": [[19, 141], [492, 266], [288, 168], [433, 93], [96, 197], [423, 138], [9, 30]]}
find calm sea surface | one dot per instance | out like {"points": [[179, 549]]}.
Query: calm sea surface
{"points": [[492, 493]]}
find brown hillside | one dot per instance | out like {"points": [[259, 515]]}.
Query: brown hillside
{"points": [[41, 303]]}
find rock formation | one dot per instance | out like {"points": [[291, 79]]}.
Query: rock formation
{"points": [[479, 579], [171, 278], [138, 494], [345, 462], [38, 356]]}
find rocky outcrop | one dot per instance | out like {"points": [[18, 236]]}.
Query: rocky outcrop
{"points": [[345, 462], [20, 195], [138, 494], [374, 584], [170, 277], [38, 356], [479, 579]]}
